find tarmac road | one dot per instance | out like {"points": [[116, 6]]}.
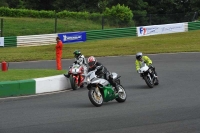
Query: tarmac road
{"points": [[171, 107]]}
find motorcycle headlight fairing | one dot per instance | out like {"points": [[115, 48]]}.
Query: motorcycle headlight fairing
{"points": [[88, 80]]}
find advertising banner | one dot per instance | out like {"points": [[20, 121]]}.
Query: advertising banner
{"points": [[71, 37], [160, 29], [1, 41]]}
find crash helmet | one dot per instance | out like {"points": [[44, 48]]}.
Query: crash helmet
{"points": [[77, 53], [92, 61], [139, 55]]}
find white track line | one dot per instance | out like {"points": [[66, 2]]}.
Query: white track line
{"points": [[47, 93]]}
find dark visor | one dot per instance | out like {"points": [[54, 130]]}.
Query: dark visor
{"points": [[91, 64]]}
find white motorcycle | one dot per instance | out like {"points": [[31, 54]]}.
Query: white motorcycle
{"points": [[100, 90], [149, 75]]}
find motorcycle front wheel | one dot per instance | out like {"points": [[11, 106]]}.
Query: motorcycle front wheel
{"points": [[73, 83], [121, 95], [95, 99]]}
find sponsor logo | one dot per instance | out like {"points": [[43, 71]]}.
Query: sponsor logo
{"points": [[171, 28], [71, 38], [143, 31], [147, 30]]}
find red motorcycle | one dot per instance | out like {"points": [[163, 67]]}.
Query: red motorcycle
{"points": [[76, 76]]}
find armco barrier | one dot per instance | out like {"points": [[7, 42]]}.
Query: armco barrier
{"points": [[36, 40], [46, 39], [110, 33], [10, 41], [194, 25], [34, 86]]}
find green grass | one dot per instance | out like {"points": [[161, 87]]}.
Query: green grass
{"points": [[168, 43], [20, 74], [34, 26]]}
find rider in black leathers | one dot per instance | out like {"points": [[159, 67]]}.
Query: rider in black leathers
{"points": [[101, 71]]}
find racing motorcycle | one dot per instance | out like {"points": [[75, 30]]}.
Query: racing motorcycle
{"points": [[149, 75], [100, 90], [76, 76]]}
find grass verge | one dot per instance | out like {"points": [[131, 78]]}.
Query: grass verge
{"points": [[33, 26], [20, 74], [168, 43]]}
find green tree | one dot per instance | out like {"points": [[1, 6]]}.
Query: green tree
{"points": [[40, 4], [195, 5], [172, 6], [137, 6], [102, 5], [3, 3], [77, 5], [14, 3], [120, 15]]}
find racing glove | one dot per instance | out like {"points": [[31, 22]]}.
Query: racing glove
{"points": [[150, 65], [137, 71]]}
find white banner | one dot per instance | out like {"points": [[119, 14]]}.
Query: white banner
{"points": [[1, 41], [160, 29]]}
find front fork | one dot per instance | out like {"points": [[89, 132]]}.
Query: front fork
{"points": [[97, 91], [76, 79]]}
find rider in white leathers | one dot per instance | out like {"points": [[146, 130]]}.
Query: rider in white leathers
{"points": [[80, 59]]}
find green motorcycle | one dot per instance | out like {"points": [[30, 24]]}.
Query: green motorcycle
{"points": [[100, 90]]}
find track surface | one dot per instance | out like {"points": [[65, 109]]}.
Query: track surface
{"points": [[171, 107]]}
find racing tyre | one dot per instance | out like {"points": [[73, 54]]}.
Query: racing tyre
{"points": [[149, 82], [73, 83], [95, 98], [156, 82], [121, 94]]}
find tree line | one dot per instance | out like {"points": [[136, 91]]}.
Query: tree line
{"points": [[138, 7]]}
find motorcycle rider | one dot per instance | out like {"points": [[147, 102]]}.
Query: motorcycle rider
{"points": [[80, 59], [101, 71], [140, 59]]}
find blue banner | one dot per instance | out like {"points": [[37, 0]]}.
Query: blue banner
{"points": [[71, 37]]}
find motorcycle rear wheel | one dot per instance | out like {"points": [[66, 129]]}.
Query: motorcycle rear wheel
{"points": [[148, 82], [156, 82], [94, 98], [73, 83], [121, 95]]}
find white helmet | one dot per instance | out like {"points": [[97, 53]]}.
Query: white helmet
{"points": [[139, 55]]}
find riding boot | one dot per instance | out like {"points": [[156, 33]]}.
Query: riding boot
{"points": [[117, 88], [115, 85], [67, 75]]}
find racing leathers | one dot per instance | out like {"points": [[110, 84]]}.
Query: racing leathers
{"points": [[145, 59], [148, 61], [102, 72], [81, 61]]}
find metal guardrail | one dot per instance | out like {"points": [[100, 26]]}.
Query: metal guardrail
{"points": [[111, 33], [10, 41], [47, 39], [194, 25], [36, 40]]}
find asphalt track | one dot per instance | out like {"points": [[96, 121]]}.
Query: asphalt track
{"points": [[171, 107]]}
